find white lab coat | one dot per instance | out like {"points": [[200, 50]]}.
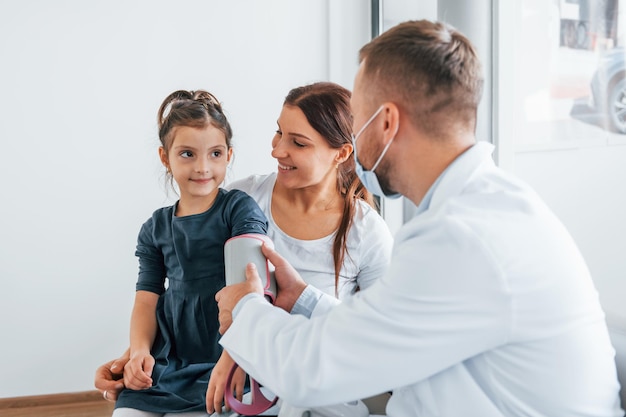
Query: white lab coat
{"points": [[487, 309]]}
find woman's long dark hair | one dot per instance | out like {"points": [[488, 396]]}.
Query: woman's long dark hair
{"points": [[327, 108]]}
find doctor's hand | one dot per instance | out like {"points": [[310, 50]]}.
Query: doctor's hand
{"points": [[289, 282], [228, 297]]}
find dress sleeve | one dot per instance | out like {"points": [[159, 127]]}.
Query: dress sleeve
{"points": [[151, 263], [245, 215]]}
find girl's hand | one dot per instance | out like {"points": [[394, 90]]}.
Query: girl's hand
{"points": [[138, 371], [217, 384]]}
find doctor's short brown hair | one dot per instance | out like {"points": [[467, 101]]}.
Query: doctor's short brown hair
{"points": [[429, 69]]}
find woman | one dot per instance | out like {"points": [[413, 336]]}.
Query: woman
{"points": [[315, 202], [321, 217]]}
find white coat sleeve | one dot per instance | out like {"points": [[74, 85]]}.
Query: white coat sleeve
{"points": [[441, 302]]}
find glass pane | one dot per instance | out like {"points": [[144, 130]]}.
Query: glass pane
{"points": [[571, 76], [561, 122]]}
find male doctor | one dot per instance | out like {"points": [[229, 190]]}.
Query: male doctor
{"points": [[487, 308]]}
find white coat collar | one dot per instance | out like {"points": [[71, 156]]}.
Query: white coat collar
{"points": [[453, 179]]}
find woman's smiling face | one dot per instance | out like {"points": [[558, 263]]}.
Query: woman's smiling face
{"points": [[304, 156]]}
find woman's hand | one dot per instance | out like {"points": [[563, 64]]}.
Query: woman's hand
{"points": [[217, 384], [109, 377]]}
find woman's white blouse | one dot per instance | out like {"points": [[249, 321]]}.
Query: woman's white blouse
{"points": [[369, 243]]}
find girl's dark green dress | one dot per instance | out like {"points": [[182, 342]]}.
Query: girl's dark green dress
{"points": [[189, 252]]}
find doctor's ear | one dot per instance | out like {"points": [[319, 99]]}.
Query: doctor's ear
{"points": [[391, 121]]}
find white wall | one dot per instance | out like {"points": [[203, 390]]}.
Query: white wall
{"points": [[80, 84]]}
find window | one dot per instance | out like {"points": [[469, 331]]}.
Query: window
{"points": [[560, 125]]}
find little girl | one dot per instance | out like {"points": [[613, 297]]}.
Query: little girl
{"points": [[174, 327]]}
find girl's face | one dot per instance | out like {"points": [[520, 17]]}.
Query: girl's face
{"points": [[304, 157], [197, 159]]}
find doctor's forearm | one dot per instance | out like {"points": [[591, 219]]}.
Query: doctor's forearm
{"points": [[292, 371]]}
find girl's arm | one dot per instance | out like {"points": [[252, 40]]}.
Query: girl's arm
{"points": [[143, 326], [245, 216]]}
